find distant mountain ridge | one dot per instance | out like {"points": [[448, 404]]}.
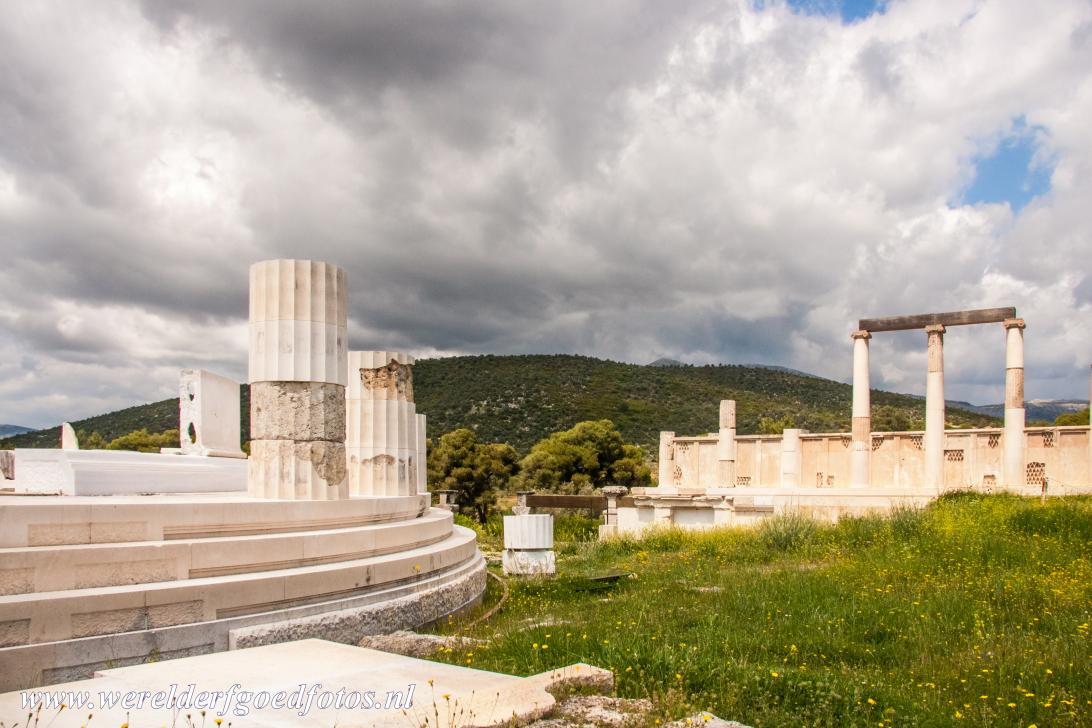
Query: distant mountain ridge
{"points": [[9, 430], [1043, 410], [522, 399]]}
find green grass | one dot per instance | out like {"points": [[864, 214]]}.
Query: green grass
{"points": [[974, 611]]}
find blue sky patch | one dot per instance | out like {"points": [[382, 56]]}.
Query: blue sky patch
{"points": [[849, 10], [1010, 173]]}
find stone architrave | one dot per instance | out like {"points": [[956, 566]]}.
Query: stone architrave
{"points": [[934, 408], [382, 442], [861, 463], [69, 441], [667, 459], [528, 545], [791, 457], [1015, 440], [208, 414], [298, 362], [726, 444]]}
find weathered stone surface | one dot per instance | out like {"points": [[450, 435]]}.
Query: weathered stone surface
{"points": [[708, 720], [7, 465], [602, 710], [350, 626], [412, 644], [313, 470], [299, 411]]}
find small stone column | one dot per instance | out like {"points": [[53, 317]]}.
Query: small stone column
{"points": [[422, 454], [1015, 440], [791, 457], [69, 441], [297, 380], [934, 408], [382, 441], [610, 515], [726, 444], [521, 508], [861, 463], [667, 459], [528, 545], [446, 500]]}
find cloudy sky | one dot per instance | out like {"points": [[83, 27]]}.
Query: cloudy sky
{"points": [[710, 180]]}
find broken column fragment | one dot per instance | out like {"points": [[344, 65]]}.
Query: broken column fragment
{"points": [[384, 431], [298, 360]]}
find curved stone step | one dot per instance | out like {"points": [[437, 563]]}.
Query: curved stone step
{"points": [[58, 568], [64, 520], [63, 615]]}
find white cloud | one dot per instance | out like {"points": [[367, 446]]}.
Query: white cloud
{"points": [[705, 181]]}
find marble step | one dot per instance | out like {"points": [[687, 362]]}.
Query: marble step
{"points": [[77, 613], [58, 568], [59, 521]]}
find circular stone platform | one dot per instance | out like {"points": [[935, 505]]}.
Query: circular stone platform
{"points": [[88, 583]]}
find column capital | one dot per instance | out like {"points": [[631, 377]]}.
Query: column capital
{"points": [[862, 334], [1014, 323], [934, 329]]}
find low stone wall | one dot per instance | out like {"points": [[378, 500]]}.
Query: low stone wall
{"points": [[972, 459]]}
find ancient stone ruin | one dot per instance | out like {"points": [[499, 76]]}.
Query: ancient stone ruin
{"points": [[723, 478]]}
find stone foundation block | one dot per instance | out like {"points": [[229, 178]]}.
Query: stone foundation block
{"points": [[297, 470], [301, 411]]}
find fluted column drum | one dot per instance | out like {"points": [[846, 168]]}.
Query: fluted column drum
{"points": [[382, 424], [298, 312]]}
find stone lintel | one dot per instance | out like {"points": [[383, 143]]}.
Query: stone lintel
{"points": [[950, 318]]}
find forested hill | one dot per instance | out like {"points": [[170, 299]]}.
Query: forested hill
{"points": [[521, 399]]}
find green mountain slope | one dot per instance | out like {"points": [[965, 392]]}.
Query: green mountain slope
{"points": [[521, 399]]}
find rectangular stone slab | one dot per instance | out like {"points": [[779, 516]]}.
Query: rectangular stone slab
{"points": [[444, 695], [951, 318]]}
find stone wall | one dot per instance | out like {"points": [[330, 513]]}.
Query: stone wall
{"points": [[972, 459]]}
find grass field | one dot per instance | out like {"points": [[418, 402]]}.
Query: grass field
{"points": [[974, 611]]}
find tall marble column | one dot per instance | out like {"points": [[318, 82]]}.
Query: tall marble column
{"points": [[297, 380], [934, 408], [1015, 441], [382, 442], [726, 444], [666, 459], [861, 463]]}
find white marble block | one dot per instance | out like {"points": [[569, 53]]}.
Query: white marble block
{"points": [[381, 431], [298, 363], [528, 545], [208, 414], [120, 472]]}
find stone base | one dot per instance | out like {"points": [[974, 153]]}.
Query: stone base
{"points": [[444, 696], [119, 472], [297, 470], [529, 563]]}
